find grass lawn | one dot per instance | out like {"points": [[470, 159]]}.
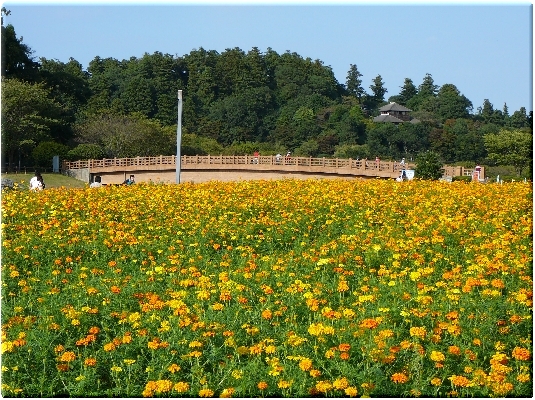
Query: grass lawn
{"points": [[51, 180]]}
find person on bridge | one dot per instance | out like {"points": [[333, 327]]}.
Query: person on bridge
{"points": [[256, 155]]}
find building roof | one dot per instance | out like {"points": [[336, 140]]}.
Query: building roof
{"points": [[387, 118], [393, 106]]}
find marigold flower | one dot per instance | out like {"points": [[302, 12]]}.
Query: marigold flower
{"points": [[282, 384], [181, 387], [399, 377], [173, 368], [228, 392], [68, 356], [90, 362], [323, 386], [437, 356], [351, 391], [436, 381], [454, 350], [344, 347], [459, 380], [206, 393], [520, 353], [340, 383], [267, 314], [418, 331], [262, 385], [305, 364], [109, 347]]}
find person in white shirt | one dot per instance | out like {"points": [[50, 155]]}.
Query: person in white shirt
{"points": [[37, 183], [97, 182]]}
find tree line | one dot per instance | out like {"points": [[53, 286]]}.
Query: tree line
{"points": [[236, 102]]}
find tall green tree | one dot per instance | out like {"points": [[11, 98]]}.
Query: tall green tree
{"points": [[17, 60], [354, 83], [426, 90], [378, 90], [28, 115], [510, 147], [449, 103]]}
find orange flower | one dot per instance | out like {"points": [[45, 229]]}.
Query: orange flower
{"points": [[454, 350], [262, 385], [459, 380], [267, 314], [115, 289], [399, 377], [344, 356], [521, 354], [344, 347], [90, 362], [94, 330], [68, 356]]}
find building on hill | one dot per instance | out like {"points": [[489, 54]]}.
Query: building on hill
{"points": [[395, 113]]}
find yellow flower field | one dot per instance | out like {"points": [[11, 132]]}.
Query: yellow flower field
{"points": [[268, 289]]}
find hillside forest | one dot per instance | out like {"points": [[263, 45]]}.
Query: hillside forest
{"points": [[238, 102]]}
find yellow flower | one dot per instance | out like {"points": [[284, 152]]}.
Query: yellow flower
{"points": [[351, 391], [206, 393], [129, 361], [437, 356], [418, 331], [282, 384], [181, 387], [436, 381], [341, 383], [116, 369], [305, 364], [228, 392]]}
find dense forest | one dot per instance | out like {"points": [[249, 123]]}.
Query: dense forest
{"points": [[237, 102]]}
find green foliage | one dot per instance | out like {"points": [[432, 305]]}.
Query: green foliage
{"points": [[28, 114], [86, 151], [510, 147], [44, 152], [354, 151], [461, 178], [428, 166], [127, 135], [310, 148]]}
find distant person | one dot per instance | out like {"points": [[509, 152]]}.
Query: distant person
{"points": [[97, 182], [37, 182], [278, 158], [130, 181], [377, 162], [402, 161], [256, 155]]}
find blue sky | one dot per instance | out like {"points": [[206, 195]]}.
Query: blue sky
{"points": [[485, 49]]}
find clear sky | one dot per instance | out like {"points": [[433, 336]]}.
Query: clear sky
{"points": [[484, 49]]}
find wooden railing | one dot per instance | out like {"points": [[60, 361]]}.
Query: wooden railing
{"points": [[239, 160], [276, 162]]}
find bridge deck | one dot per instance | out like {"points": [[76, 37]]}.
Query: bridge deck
{"points": [[267, 164]]}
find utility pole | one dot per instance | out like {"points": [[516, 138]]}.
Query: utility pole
{"points": [[179, 136]]}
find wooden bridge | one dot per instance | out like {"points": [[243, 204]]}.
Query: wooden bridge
{"points": [[231, 168]]}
